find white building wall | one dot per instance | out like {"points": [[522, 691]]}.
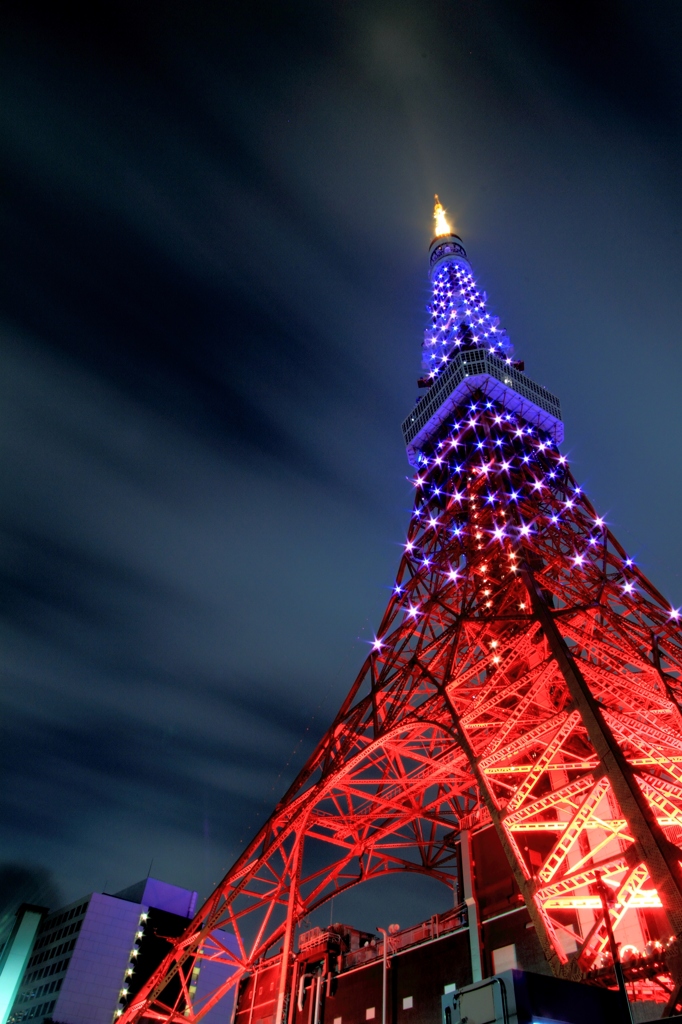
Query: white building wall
{"points": [[90, 991]]}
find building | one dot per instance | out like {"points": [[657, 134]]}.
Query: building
{"points": [[15, 953], [340, 976], [90, 957]]}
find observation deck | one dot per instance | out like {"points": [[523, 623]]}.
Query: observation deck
{"points": [[478, 369]]}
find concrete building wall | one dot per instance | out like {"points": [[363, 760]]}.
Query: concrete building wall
{"points": [[172, 898], [416, 980], [90, 991], [49, 963]]}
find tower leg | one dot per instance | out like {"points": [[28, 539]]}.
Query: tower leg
{"points": [[659, 855], [472, 906], [526, 887]]}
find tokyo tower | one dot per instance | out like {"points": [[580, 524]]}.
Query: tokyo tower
{"points": [[525, 678]]}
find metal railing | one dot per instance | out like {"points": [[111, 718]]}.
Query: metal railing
{"points": [[439, 924], [476, 363]]}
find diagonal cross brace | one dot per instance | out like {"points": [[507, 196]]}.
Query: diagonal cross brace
{"points": [[651, 845]]}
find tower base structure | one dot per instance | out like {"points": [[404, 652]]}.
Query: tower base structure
{"points": [[337, 977]]}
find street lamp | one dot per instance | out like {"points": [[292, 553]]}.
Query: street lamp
{"points": [[392, 929]]}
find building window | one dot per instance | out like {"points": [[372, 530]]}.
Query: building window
{"points": [[407, 1003], [370, 1013], [504, 958]]}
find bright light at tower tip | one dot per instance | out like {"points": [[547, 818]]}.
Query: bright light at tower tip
{"points": [[442, 226]]}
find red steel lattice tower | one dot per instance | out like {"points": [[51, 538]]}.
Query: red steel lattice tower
{"points": [[525, 674]]}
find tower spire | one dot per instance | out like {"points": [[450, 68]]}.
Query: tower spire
{"points": [[442, 226], [459, 319]]}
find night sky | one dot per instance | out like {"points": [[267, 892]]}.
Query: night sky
{"points": [[215, 221]]}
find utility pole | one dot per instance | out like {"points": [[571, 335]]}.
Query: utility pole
{"points": [[392, 929], [384, 975]]}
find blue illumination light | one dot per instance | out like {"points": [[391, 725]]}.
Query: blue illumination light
{"points": [[459, 319]]}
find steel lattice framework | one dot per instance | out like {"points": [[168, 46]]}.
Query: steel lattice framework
{"points": [[525, 673]]}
